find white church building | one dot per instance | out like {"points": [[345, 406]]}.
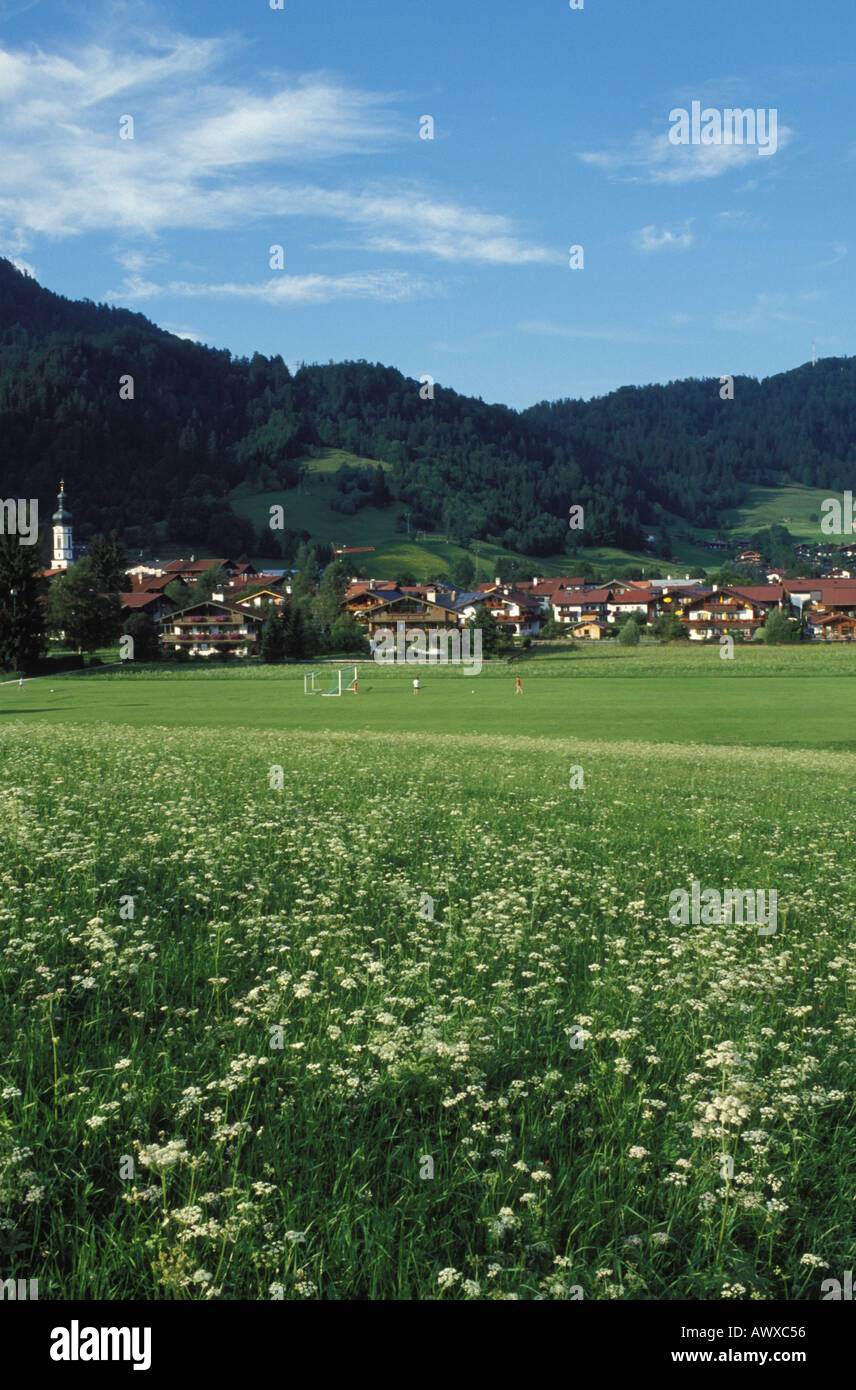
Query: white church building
{"points": [[63, 547]]}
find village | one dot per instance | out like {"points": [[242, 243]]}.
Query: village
{"points": [[227, 617]]}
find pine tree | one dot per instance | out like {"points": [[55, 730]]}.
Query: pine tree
{"points": [[297, 641], [274, 643], [106, 562], [306, 567], [334, 582], [21, 612], [491, 636]]}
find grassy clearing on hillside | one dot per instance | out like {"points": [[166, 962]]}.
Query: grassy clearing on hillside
{"points": [[791, 506], [570, 1065], [394, 550]]}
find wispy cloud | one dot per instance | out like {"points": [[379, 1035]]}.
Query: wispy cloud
{"points": [[208, 154], [766, 309], [606, 335], [839, 252], [651, 239], [284, 289], [648, 158]]}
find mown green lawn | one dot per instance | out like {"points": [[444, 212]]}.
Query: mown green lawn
{"points": [[799, 698]]}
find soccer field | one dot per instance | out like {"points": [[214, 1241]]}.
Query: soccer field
{"points": [[803, 698], [380, 997]]}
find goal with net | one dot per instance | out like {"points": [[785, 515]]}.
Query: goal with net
{"points": [[343, 682]]}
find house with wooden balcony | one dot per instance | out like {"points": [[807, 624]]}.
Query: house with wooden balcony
{"points": [[633, 599], [832, 627], [415, 612], [730, 610], [362, 597], [515, 612], [212, 628]]}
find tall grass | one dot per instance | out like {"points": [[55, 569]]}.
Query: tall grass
{"points": [[557, 1049]]}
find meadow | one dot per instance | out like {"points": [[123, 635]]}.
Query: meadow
{"points": [[379, 998]]}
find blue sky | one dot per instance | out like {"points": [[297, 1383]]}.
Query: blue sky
{"points": [[449, 257]]}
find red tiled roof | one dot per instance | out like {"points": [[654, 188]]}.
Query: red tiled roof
{"points": [[139, 600], [150, 583], [824, 619], [634, 595], [585, 596], [551, 586], [251, 581], [801, 586], [759, 593], [194, 566], [841, 597]]}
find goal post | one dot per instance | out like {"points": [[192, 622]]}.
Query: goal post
{"points": [[309, 686], [344, 682]]}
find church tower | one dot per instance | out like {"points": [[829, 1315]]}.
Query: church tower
{"points": [[62, 551]]}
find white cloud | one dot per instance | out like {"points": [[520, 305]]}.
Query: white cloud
{"points": [[649, 239], [654, 159], [388, 285], [209, 154]]}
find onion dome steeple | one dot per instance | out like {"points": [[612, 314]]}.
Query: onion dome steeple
{"points": [[62, 514]]}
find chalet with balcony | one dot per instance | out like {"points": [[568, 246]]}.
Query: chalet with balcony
{"points": [[193, 569], [730, 610], [516, 613], [211, 628], [832, 627], [633, 599], [363, 596], [415, 612], [545, 591], [749, 557], [571, 605]]}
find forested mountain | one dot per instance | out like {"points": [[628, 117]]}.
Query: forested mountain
{"points": [[698, 452], [201, 421]]}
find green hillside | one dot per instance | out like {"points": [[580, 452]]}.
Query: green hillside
{"points": [[796, 507], [308, 508]]}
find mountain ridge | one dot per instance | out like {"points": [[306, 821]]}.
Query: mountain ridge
{"points": [[202, 421]]}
